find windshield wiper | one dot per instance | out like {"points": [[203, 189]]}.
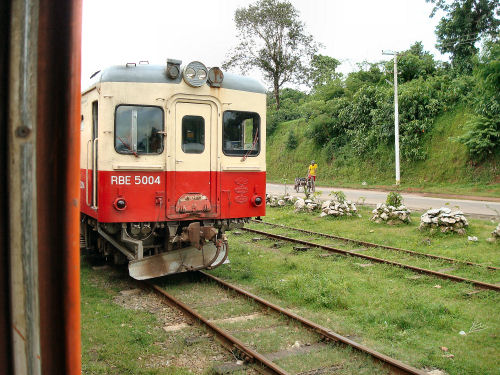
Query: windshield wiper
{"points": [[128, 146]]}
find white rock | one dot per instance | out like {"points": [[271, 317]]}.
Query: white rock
{"points": [[299, 204], [472, 238], [296, 345], [496, 232], [436, 372]]}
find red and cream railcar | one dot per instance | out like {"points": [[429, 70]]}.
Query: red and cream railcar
{"points": [[171, 158]]}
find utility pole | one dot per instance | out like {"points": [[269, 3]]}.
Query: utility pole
{"points": [[396, 113]]}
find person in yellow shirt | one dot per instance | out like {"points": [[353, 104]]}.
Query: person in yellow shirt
{"points": [[312, 170], [311, 175]]}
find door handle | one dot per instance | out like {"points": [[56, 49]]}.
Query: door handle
{"points": [[178, 161]]}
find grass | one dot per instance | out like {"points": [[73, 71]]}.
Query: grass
{"points": [[384, 307], [405, 236], [268, 333], [446, 169], [116, 340], [391, 310]]}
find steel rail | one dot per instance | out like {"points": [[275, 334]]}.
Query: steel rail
{"points": [[331, 249], [326, 333], [226, 338], [371, 244]]}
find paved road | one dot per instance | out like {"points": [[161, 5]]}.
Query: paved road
{"points": [[482, 209]]}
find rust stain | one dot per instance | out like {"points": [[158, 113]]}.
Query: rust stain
{"points": [[18, 332]]}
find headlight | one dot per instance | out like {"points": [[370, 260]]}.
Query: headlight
{"points": [[201, 74], [215, 77], [195, 74], [257, 200], [190, 73], [120, 204]]}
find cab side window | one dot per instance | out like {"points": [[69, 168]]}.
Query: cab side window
{"points": [[137, 129], [241, 133]]}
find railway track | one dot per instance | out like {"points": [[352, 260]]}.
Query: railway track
{"points": [[331, 249], [264, 363], [371, 244]]}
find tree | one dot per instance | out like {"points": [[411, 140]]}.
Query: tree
{"points": [[483, 130], [413, 63], [323, 70], [273, 40], [465, 22]]}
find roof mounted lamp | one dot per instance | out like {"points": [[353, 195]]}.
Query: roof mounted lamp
{"points": [[173, 68], [215, 77], [195, 74]]}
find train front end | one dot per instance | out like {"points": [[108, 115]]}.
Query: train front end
{"points": [[172, 157]]}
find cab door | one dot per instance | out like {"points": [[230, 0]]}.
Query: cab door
{"points": [[191, 188]]}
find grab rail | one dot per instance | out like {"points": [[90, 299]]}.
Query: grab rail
{"points": [[87, 176], [94, 177]]}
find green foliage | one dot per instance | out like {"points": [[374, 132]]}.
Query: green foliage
{"points": [[412, 64], [289, 109], [465, 22], [332, 89], [483, 131], [482, 138], [365, 120], [446, 168], [291, 142], [394, 199], [323, 70], [272, 39], [349, 121], [339, 196], [368, 74]]}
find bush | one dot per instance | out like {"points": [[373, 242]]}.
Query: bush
{"points": [[339, 196], [482, 138], [291, 142], [394, 199]]}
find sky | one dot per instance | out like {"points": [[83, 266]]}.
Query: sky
{"points": [[352, 31]]}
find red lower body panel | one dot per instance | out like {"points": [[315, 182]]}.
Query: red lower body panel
{"points": [[154, 196]]}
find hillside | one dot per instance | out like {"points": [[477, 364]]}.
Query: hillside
{"points": [[446, 169]]}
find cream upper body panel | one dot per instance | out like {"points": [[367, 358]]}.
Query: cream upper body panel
{"points": [[166, 96]]}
